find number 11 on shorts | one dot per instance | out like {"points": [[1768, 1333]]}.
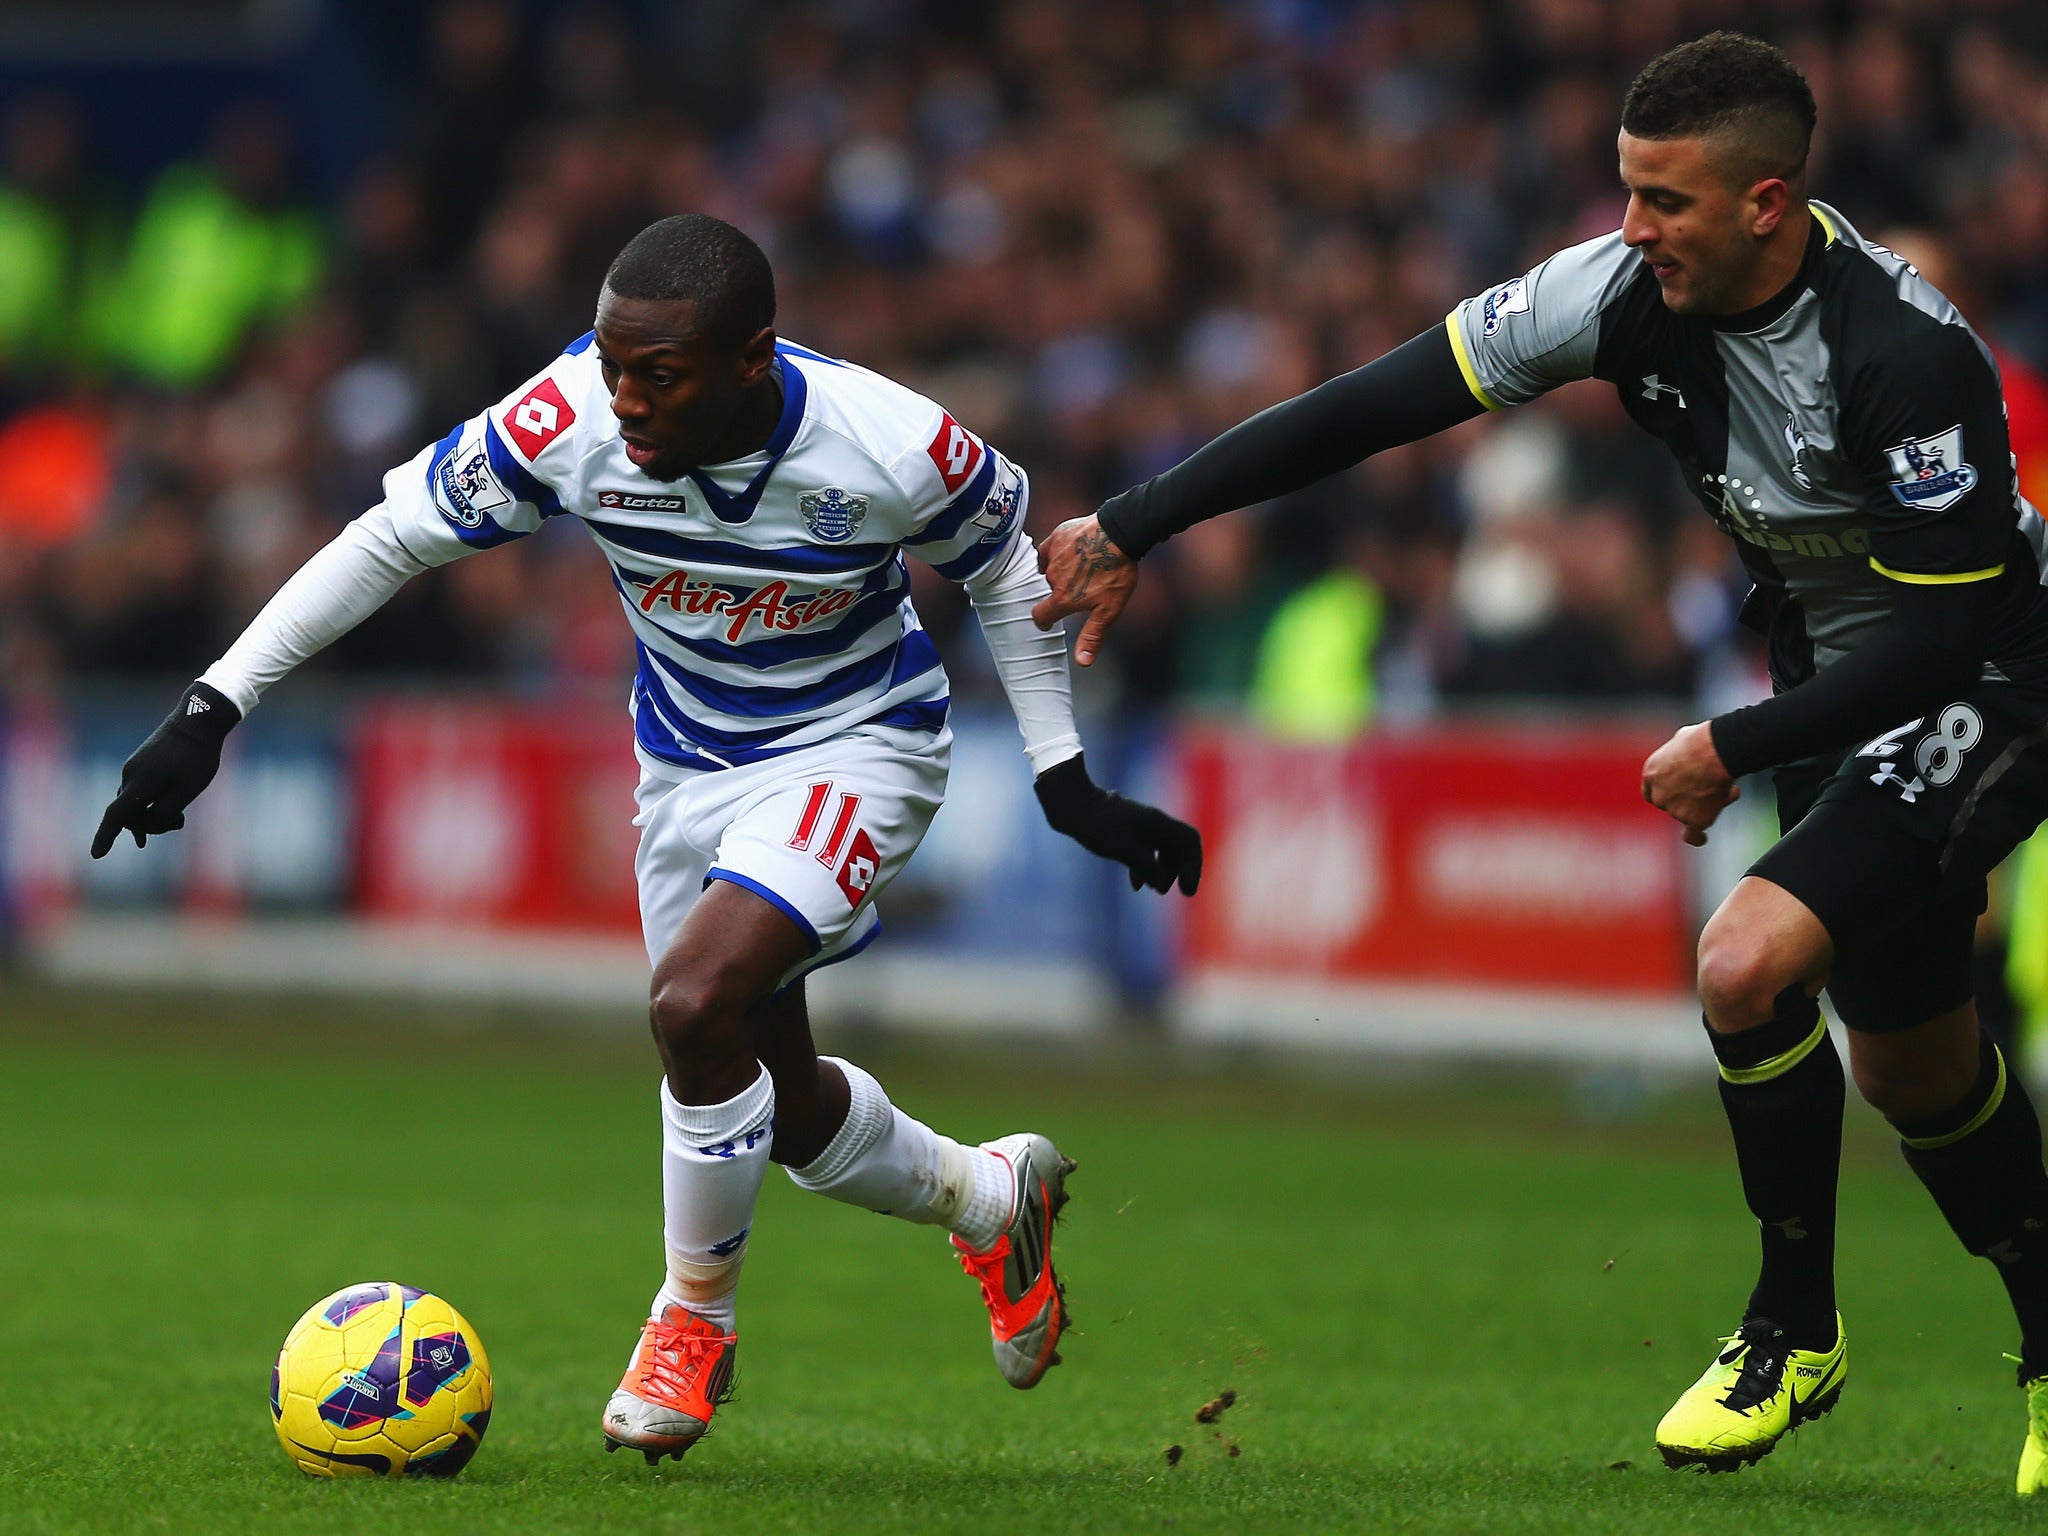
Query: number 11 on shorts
{"points": [[814, 813]]}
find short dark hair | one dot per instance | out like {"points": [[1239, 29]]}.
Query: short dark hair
{"points": [[1727, 82], [705, 262]]}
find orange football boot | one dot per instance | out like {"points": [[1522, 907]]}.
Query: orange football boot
{"points": [[1027, 1307], [680, 1372]]}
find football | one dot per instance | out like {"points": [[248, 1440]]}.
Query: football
{"points": [[383, 1380]]}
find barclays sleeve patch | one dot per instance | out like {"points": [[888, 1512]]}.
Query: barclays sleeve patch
{"points": [[470, 488], [1929, 473], [1510, 298]]}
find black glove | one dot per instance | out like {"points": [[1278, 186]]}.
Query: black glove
{"points": [[169, 770], [1157, 849]]}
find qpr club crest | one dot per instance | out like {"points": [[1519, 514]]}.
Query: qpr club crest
{"points": [[1929, 472], [832, 515]]}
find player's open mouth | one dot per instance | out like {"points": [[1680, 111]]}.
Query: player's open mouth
{"points": [[642, 454], [1664, 270]]}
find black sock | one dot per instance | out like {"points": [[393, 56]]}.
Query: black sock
{"points": [[1781, 1085], [1981, 1160]]}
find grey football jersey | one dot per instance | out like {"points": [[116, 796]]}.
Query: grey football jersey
{"points": [[1849, 434]]}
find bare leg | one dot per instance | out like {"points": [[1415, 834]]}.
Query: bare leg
{"points": [[810, 1095], [719, 972], [1910, 1074]]}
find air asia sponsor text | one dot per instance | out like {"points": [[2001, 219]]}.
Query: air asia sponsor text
{"points": [[774, 605]]}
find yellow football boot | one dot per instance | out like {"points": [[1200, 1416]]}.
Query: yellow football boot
{"points": [[1757, 1391], [2034, 1454]]}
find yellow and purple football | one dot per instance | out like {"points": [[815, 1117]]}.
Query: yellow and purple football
{"points": [[381, 1380]]}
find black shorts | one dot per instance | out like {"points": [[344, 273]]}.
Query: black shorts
{"points": [[1889, 846]]}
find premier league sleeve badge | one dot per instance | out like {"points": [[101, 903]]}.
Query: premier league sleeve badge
{"points": [[470, 488], [1929, 472]]}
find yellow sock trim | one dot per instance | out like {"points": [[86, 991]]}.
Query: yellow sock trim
{"points": [[1780, 1064], [1935, 1143]]}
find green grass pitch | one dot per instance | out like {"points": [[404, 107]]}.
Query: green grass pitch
{"points": [[1445, 1304]]}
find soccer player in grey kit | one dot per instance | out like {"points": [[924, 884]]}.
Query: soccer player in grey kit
{"points": [[1840, 421]]}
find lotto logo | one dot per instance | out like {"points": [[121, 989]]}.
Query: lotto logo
{"points": [[956, 452], [857, 874], [541, 417], [633, 501]]}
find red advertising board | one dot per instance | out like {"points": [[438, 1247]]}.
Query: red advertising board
{"points": [[489, 815], [1471, 855]]}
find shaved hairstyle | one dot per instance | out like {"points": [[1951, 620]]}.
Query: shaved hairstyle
{"points": [[1736, 90], [705, 262]]}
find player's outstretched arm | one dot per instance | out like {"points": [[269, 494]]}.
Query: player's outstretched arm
{"points": [[343, 584], [1157, 849], [471, 491], [1416, 390]]}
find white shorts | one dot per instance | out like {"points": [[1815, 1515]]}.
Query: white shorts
{"points": [[818, 832]]}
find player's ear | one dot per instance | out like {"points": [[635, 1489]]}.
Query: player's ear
{"points": [[757, 357], [1769, 202]]}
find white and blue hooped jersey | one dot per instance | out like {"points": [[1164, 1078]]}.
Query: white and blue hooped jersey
{"points": [[768, 597]]}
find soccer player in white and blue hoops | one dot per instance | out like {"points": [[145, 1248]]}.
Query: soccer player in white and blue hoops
{"points": [[755, 501]]}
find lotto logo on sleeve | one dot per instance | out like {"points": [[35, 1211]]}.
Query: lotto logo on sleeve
{"points": [[956, 452], [539, 418]]}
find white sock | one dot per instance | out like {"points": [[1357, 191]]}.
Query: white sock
{"points": [[882, 1160], [713, 1158]]}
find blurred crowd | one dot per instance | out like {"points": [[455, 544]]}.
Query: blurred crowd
{"points": [[1098, 232]]}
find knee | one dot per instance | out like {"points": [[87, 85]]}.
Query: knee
{"points": [[1739, 981], [1917, 1074], [1894, 1093], [696, 1014]]}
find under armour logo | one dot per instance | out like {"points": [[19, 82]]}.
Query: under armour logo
{"points": [[1791, 1229], [1654, 386], [1909, 789], [196, 705]]}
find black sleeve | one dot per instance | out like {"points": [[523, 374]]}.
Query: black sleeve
{"points": [[1415, 390], [1925, 417], [1930, 650]]}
